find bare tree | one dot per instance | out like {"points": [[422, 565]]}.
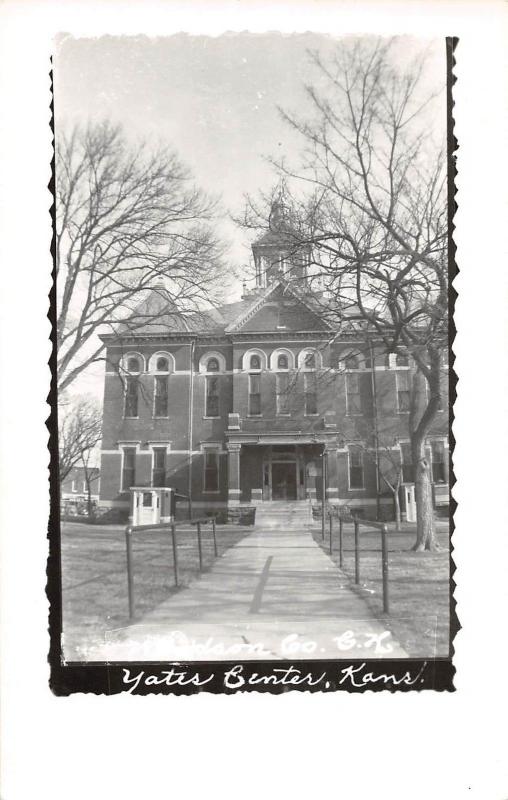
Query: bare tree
{"points": [[375, 214], [80, 430], [127, 217], [90, 474]]}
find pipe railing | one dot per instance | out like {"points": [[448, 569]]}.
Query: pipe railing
{"points": [[171, 527], [380, 526]]}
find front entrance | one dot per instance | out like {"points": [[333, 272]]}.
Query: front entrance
{"points": [[283, 481], [283, 473]]}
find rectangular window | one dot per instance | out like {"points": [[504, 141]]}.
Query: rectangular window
{"points": [[355, 468], [73, 487], [161, 404], [129, 468], [408, 470], [254, 395], [438, 462], [310, 388], [282, 391], [353, 397], [131, 396], [403, 401], [159, 466], [211, 467], [212, 397]]}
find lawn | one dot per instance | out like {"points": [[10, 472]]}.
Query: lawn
{"points": [[419, 585], [94, 574]]}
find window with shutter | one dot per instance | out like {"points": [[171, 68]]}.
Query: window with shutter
{"points": [[159, 466], [161, 403], [212, 397], [282, 392], [131, 396], [310, 389], [355, 468], [211, 471], [129, 468], [408, 470], [353, 396], [254, 395], [403, 394], [438, 462]]}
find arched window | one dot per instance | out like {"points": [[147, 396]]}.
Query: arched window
{"points": [[254, 360], [282, 359], [133, 364], [162, 364], [402, 360], [309, 359], [212, 362], [351, 362]]}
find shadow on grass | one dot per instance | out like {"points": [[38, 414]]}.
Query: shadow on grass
{"points": [[94, 572], [419, 586]]}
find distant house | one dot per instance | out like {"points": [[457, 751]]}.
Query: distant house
{"points": [[74, 487]]}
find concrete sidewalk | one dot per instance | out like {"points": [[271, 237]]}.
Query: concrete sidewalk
{"points": [[274, 595]]}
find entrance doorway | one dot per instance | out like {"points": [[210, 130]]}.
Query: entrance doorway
{"points": [[283, 473], [283, 480]]}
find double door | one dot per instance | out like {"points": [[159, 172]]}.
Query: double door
{"points": [[283, 476]]}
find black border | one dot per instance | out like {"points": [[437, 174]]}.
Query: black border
{"points": [[266, 676]]}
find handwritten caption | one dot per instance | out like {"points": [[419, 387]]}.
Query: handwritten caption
{"points": [[293, 646], [236, 677]]}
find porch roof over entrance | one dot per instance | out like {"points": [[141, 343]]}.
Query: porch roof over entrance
{"points": [[282, 437]]}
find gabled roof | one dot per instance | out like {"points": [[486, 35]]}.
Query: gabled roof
{"points": [[259, 301], [158, 314]]}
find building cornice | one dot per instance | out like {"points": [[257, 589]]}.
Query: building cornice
{"points": [[112, 340]]}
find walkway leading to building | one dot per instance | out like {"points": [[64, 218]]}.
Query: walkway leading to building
{"points": [[274, 595]]}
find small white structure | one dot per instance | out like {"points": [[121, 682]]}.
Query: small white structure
{"points": [[152, 505], [410, 502]]}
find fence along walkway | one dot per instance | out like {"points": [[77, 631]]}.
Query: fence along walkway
{"points": [[171, 527], [270, 589], [357, 522]]}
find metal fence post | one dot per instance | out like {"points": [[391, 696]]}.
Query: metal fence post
{"points": [[341, 554], [214, 538], [198, 525], [130, 577], [384, 550], [331, 533], [357, 552], [175, 552]]}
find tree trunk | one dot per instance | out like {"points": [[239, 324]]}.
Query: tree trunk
{"points": [[89, 497], [396, 500], [425, 527]]}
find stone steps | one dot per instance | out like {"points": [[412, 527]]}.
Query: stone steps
{"points": [[283, 514]]}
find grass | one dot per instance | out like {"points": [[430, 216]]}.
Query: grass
{"points": [[419, 585], [94, 573]]}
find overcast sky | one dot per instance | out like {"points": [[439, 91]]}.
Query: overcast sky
{"points": [[214, 100]]}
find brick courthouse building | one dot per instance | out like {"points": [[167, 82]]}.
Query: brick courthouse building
{"points": [[246, 403]]}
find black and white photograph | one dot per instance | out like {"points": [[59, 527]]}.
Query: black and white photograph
{"points": [[253, 349], [253, 412]]}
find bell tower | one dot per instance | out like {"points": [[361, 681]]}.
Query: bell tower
{"points": [[279, 252]]}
